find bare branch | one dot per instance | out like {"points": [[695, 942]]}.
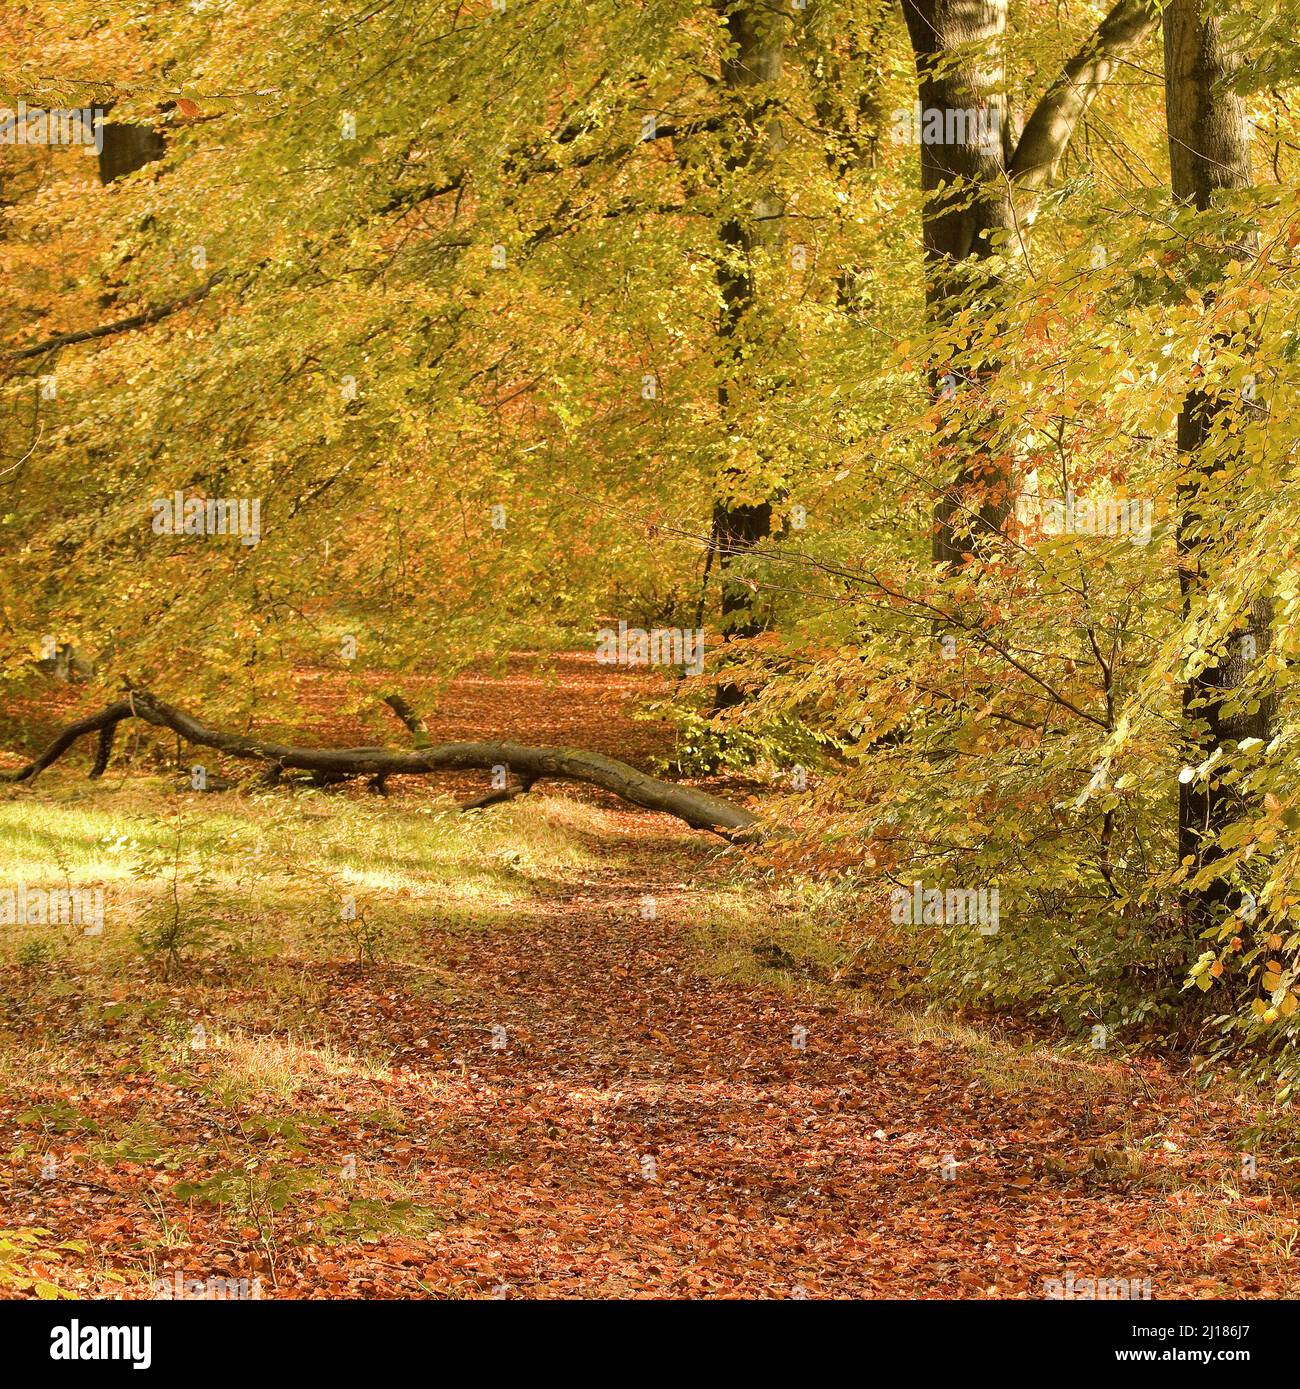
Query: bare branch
{"points": [[123, 325], [1050, 128], [699, 809]]}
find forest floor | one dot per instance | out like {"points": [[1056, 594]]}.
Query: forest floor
{"points": [[565, 1048]]}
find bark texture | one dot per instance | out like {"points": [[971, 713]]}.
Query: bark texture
{"points": [[982, 182], [750, 75]]}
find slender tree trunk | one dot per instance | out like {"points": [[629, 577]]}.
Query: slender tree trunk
{"points": [[750, 72], [1209, 154]]}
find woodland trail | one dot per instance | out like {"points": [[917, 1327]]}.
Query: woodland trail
{"points": [[780, 1171], [587, 1111]]}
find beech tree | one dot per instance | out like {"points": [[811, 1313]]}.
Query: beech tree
{"points": [[754, 130], [507, 317], [982, 181], [1209, 159]]}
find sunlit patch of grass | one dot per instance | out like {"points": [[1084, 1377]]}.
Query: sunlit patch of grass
{"points": [[263, 879], [94, 826], [275, 874], [538, 831], [1007, 1068], [247, 1127], [780, 939], [252, 1067], [1236, 1215]]}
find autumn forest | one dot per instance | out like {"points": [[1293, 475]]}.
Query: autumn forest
{"points": [[646, 652]]}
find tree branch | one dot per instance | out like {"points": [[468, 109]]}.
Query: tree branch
{"points": [[123, 325], [698, 809], [1049, 129], [414, 723]]}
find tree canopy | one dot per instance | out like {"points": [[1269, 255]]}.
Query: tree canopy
{"points": [[888, 345]]}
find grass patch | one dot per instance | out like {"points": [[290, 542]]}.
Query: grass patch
{"points": [[312, 875], [251, 1068]]}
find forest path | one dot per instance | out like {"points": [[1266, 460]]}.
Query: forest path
{"points": [[643, 1129], [561, 1093]]}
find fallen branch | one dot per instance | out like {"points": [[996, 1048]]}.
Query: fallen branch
{"points": [[419, 731], [526, 765], [104, 723], [513, 787]]}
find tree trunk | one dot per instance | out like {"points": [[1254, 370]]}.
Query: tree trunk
{"points": [[1209, 154], [517, 763], [965, 182], [127, 148], [750, 74], [978, 179]]}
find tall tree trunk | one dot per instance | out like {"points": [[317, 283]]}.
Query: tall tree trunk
{"points": [[750, 72], [957, 45], [127, 148], [981, 183], [1209, 154]]}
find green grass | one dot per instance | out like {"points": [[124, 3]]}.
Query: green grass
{"points": [[249, 1128], [269, 875], [253, 887]]}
